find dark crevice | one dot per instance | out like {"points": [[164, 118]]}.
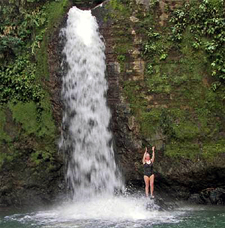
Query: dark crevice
{"points": [[86, 4]]}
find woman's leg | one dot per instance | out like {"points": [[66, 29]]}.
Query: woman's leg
{"points": [[152, 178], [147, 181]]}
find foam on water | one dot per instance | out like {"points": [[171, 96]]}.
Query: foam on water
{"points": [[184, 217], [107, 208], [100, 212]]}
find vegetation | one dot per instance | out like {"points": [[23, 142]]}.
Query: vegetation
{"points": [[24, 25], [205, 21], [182, 93], [25, 31]]}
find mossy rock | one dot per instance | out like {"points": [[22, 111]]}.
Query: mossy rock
{"points": [[31, 121], [3, 135]]}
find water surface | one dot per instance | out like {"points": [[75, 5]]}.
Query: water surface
{"points": [[116, 212]]}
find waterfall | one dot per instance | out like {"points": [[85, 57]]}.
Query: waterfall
{"points": [[86, 139]]}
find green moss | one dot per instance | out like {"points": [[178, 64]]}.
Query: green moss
{"points": [[150, 122], [118, 6], [47, 125], [178, 113], [121, 59], [178, 149], [211, 149], [36, 158], [124, 40], [158, 83], [186, 43], [42, 60], [133, 91], [6, 153], [4, 158], [40, 156], [186, 130], [44, 154], [175, 96], [54, 11], [26, 114], [34, 121], [120, 11], [3, 135], [32, 127]]}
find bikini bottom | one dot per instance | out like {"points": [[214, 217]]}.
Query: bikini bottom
{"points": [[148, 174]]}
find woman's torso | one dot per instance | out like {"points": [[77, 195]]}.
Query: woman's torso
{"points": [[148, 169]]}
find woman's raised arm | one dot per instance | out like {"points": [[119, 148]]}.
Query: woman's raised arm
{"points": [[143, 159], [153, 154]]}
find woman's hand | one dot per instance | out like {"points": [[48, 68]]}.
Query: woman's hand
{"points": [[153, 148]]}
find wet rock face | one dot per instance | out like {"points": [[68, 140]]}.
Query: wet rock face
{"points": [[209, 196], [128, 142], [122, 124], [23, 185], [28, 178], [123, 39]]}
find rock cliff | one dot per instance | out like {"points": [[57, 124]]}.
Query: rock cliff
{"points": [[161, 93], [166, 88]]}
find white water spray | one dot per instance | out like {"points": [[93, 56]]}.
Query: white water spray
{"points": [[86, 138]]}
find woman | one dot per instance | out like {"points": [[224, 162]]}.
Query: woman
{"points": [[148, 171]]}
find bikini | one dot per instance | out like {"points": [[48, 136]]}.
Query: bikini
{"points": [[148, 169]]}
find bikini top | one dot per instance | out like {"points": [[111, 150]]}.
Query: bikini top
{"points": [[148, 165]]}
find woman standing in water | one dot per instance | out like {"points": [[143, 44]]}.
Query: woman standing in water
{"points": [[148, 171]]}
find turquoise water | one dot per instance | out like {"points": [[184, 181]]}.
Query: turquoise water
{"points": [[114, 212], [205, 217]]}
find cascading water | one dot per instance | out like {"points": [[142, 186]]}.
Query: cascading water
{"points": [[86, 138]]}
